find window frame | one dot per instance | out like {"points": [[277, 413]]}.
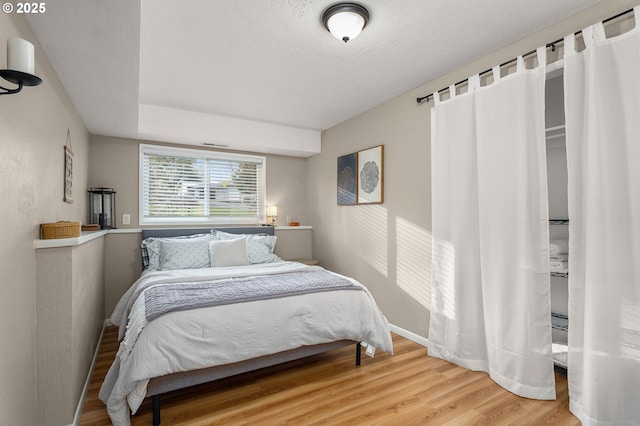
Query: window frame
{"points": [[148, 149]]}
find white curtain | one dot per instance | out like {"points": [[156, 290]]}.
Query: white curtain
{"points": [[602, 104], [490, 289]]}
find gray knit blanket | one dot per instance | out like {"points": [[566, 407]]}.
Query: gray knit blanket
{"points": [[162, 299]]}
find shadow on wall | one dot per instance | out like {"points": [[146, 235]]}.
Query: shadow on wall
{"points": [[413, 264], [365, 233]]}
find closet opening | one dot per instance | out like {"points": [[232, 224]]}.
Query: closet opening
{"points": [[557, 181]]}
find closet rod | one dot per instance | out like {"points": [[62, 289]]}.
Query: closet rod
{"points": [[551, 45]]}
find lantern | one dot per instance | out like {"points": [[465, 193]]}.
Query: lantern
{"points": [[102, 207]]}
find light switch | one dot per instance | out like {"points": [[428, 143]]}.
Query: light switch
{"points": [[126, 219]]}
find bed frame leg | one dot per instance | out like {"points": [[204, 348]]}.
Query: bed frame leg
{"points": [[156, 410], [358, 356]]}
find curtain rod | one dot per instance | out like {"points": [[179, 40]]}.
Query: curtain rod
{"points": [[552, 45]]}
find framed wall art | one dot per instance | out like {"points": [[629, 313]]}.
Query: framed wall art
{"points": [[371, 175], [68, 170], [347, 180]]}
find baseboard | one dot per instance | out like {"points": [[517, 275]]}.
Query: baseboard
{"points": [[409, 335], [87, 382]]}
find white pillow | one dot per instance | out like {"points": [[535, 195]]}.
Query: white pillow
{"points": [[228, 252], [259, 247], [192, 253]]}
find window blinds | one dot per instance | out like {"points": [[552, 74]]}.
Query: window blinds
{"points": [[185, 186]]}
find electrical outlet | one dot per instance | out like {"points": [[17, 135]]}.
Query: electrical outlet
{"points": [[126, 219], [371, 350]]}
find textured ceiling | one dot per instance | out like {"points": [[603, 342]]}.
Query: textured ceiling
{"points": [[262, 74]]}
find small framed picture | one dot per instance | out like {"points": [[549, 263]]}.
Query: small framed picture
{"points": [[371, 175], [68, 175], [347, 180]]}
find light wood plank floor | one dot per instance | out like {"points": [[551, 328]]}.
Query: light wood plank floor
{"points": [[406, 388]]}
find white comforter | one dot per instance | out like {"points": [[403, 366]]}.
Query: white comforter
{"points": [[206, 337]]}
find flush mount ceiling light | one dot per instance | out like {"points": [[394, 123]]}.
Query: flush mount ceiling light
{"points": [[345, 20]]}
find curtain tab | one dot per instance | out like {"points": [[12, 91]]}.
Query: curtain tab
{"points": [[496, 73], [474, 83], [541, 53], [519, 63], [452, 91], [587, 36], [436, 98], [569, 45], [598, 32]]}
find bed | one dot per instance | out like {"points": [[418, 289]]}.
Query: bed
{"points": [[218, 302]]}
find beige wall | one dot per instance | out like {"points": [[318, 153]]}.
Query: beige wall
{"points": [[33, 127], [386, 246], [70, 316], [122, 267], [294, 244]]}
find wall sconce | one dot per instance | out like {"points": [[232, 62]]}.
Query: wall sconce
{"points": [[345, 21], [272, 212], [20, 64]]}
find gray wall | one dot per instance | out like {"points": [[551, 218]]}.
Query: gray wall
{"points": [[33, 128]]}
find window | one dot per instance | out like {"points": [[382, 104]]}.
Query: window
{"points": [[190, 186]]}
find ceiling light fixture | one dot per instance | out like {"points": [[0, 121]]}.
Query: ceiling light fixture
{"points": [[345, 20], [20, 64]]}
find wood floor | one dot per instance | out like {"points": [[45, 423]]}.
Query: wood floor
{"points": [[406, 388]]}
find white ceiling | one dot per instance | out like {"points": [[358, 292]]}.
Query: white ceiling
{"points": [[262, 75]]}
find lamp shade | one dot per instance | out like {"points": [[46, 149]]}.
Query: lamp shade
{"points": [[345, 21], [20, 65], [272, 210], [345, 25], [20, 55]]}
